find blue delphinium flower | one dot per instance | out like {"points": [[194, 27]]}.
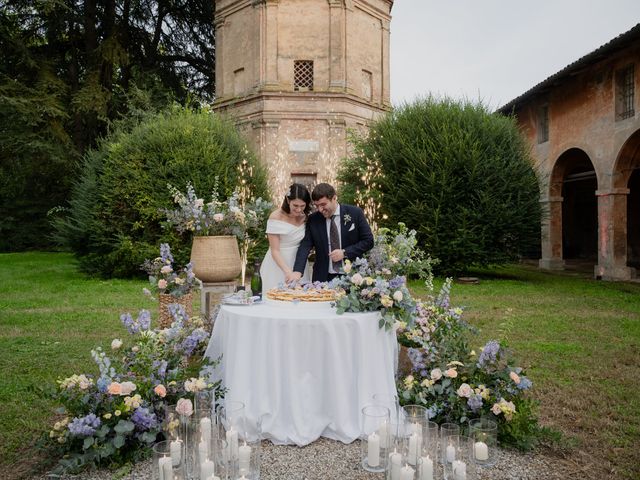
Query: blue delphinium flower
{"points": [[165, 254], [489, 353], [475, 402], [144, 320], [143, 419]]}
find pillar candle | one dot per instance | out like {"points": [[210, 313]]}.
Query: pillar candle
{"points": [[426, 472], [232, 442], [395, 459], [244, 454], [205, 429], [383, 432], [164, 466], [207, 468], [373, 449], [407, 473], [175, 447], [459, 470], [451, 453], [203, 449], [415, 445], [481, 450]]}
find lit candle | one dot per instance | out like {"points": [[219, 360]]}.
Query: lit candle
{"points": [[407, 473], [426, 472], [373, 449], [205, 429], [207, 468], [481, 451], [244, 454], [459, 470], [396, 463], [164, 466], [232, 442], [383, 432], [175, 447], [451, 453], [415, 445], [415, 428]]}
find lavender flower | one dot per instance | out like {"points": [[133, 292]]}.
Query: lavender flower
{"points": [[129, 324], [143, 419], [84, 426]]}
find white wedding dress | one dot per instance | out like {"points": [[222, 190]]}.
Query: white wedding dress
{"points": [[290, 238]]}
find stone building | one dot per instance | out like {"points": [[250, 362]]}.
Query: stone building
{"points": [[584, 128], [296, 75]]}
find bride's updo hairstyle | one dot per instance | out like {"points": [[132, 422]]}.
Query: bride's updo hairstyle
{"points": [[297, 191]]}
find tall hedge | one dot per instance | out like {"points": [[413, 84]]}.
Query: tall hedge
{"points": [[458, 174], [114, 219]]}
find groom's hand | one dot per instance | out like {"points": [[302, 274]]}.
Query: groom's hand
{"points": [[336, 255], [293, 277]]}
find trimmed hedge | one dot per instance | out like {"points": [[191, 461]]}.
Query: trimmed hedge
{"points": [[459, 175], [114, 219]]}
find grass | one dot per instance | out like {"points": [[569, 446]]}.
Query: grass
{"points": [[578, 338]]}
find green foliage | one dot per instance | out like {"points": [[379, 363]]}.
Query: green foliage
{"points": [[458, 175], [115, 216]]}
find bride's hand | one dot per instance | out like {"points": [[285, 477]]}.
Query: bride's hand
{"points": [[292, 277]]}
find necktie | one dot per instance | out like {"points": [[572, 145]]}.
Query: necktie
{"points": [[334, 239]]}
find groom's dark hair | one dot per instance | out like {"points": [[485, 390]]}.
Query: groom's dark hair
{"points": [[323, 190]]}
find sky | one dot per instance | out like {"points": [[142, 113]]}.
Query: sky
{"points": [[495, 50]]}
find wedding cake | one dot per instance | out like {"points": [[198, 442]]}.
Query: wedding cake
{"points": [[309, 292]]}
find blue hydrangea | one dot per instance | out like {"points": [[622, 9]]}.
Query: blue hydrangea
{"points": [[84, 426], [475, 402], [432, 411], [525, 383], [397, 282], [143, 419], [489, 353], [190, 343]]}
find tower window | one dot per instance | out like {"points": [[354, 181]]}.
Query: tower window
{"points": [[303, 75], [367, 85], [543, 124], [625, 93]]}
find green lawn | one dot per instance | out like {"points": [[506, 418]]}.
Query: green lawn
{"points": [[579, 339]]}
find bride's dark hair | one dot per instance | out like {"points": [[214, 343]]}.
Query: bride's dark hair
{"points": [[297, 191]]}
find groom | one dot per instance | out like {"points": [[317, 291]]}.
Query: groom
{"points": [[336, 231]]}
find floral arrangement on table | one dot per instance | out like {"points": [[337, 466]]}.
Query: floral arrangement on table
{"points": [[113, 417], [165, 279], [378, 281], [457, 385], [245, 218]]}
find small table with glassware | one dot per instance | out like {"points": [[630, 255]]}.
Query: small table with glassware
{"points": [[302, 370]]}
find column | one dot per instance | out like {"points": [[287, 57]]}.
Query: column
{"points": [[219, 27], [337, 46], [551, 234], [612, 235], [385, 99], [267, 38]]}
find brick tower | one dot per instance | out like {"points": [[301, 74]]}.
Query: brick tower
{"points": [[295, 75]]}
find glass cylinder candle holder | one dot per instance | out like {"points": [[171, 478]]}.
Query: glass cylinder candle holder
{"points": [[167, 460], [400, 468], [428, 461], [484, 433], [415, 423], [447, 432], [391, 402], [231, 420], [249, 450], [375, 432], [462, 467], [204, 401], [212, 465]]}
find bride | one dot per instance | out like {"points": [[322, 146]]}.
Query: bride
{"points": [[285, 230]]}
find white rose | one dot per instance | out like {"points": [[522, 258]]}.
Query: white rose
{"points": [[218, 217], [116, 343], [464, 390], [357, 279], [166, 269], [397, 296], [436, 374]]}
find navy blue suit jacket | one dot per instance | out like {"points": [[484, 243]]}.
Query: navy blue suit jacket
{"points": [[355, 234]]}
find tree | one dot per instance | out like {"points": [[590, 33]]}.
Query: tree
{"points": [[457, 174]]}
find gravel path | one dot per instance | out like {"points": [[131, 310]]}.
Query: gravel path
{"points": [[328, 460]]}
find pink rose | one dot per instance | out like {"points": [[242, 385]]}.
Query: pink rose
{"points": [[160, 390], [464, 390], [218, 217], [357, 279], [114, 388], [184, 407], [515, 377], [162, 283], [496, 409], [166, 269], [451, 373], [436, 374]]}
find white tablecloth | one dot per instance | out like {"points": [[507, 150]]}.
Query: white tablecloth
{"points": [[305, 371]]}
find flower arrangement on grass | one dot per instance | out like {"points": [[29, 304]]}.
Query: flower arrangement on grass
{"points": [[457, 385], [378, 281], [112, 417], [165, 278]]}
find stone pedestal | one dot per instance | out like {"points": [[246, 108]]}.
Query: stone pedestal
{"points": [[211, 293]]}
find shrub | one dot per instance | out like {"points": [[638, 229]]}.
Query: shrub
{"points": [[458, 175], [115, 216]]}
